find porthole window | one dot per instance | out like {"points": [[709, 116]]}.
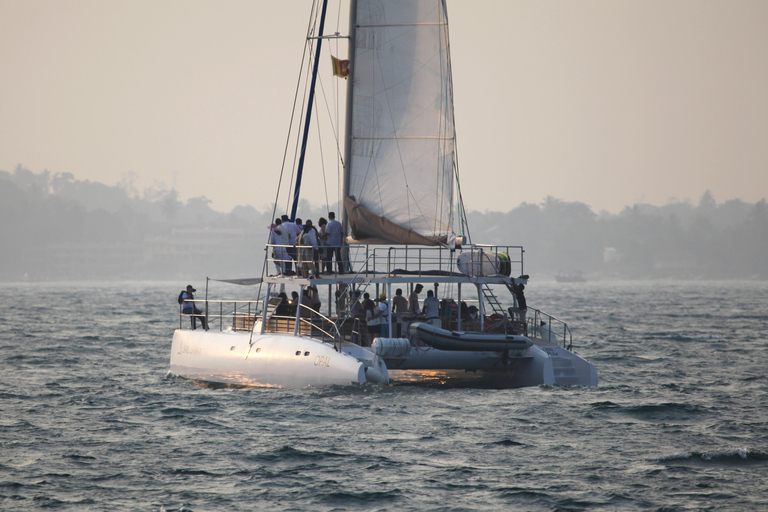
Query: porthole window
{"points": [[298, 352], [306, 353], [258, 349]]}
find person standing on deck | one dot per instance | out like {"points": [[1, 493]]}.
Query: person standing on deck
{"points": [[399, 303], [188, 308], [399, 310], [322, 242], [335, 234], [383, 312], [413, 300], [522, 307], [289, 239], [315, 247], [371, 318], [432, 309], [307, 246], [278, 252]]}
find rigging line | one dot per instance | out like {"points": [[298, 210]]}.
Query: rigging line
{"points": [[438, 213], [443, 128], [308, 112], [461, 211], [320, 145], [309, 47], [293, 118], [336, 87], [334, 129]]}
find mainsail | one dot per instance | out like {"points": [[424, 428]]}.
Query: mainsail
{"points": [[400, 134]]}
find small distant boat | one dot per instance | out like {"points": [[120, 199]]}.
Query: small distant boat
{"points": [[573, 277]]}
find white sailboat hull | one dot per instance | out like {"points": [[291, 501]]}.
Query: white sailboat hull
{"points": [[274, 360]]}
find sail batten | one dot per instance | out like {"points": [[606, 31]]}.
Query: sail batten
{"points": [[401, 156]]}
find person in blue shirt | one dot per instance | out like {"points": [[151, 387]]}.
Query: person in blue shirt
{"points": [[335, 233], [188, 308]]}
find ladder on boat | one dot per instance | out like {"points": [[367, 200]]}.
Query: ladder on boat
{"points": [[493, 301]]}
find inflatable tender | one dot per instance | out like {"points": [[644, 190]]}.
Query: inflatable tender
{"points": [[442, 339]]}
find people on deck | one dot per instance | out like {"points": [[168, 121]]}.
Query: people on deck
{"points": [[399, 303], [315, 247], [284, 308], [383, 315], [289, 239], [293, 304], [322, 243], [356, 310], [521, 308], [371, 317], [432, 309], [314, 298], [188, 308], [307, 246], [306, 303], [335, 234], [278, 252], [413, 300]]}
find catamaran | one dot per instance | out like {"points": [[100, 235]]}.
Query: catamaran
{"points": [[404, 228]]}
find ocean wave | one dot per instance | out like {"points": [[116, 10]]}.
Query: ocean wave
{"points": [[652, 412], [505, 442], [290, 453], [739, 456], [340, 498]]}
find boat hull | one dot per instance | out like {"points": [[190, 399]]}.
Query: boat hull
{"points": [[534, 366], [272, 360]]}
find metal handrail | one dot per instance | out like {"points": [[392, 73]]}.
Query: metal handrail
{"points": [[309, 322], [556, 326], [229, 313], [387, 259]]}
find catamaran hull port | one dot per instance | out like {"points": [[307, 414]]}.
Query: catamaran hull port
{"points": [[272, 360]]}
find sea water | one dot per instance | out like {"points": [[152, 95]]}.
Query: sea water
{"points": [[91, 420]]}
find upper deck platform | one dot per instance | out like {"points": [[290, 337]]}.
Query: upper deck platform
{"points": [[474, 264]]}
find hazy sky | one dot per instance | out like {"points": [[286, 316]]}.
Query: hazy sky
{"points": [[605, 102]]}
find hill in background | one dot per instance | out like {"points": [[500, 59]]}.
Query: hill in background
{"points": [[54, 226]]}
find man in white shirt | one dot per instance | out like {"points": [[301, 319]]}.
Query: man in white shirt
{"points": [[383, 315], [291, 230], [413, 300], [335, 233], [432, 309]]}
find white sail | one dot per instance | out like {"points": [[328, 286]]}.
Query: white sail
{"points": [[401, 160]]}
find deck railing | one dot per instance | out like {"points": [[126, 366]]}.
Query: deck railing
{"points": [[550, 328], [240, 315], [236, 314], [416, 260]]}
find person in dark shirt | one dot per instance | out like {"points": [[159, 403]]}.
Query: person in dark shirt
{"points": [[283, 309], [522, 307]]}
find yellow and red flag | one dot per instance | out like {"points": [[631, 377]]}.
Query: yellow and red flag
{"points": [[340, 67]]}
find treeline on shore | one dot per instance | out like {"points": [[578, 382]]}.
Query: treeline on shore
{"points": [[54, 226]]}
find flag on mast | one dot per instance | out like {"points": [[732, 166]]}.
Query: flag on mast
{"points": [[340, 67]]}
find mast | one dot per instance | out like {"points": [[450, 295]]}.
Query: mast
{"points": [[310, 102], [348, 122]]}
